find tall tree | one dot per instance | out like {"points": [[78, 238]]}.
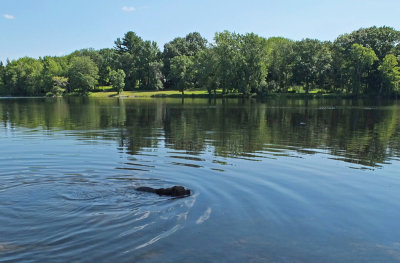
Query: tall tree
{"points": [[227, 50], [23, 77], [382, 40], [2, 71], [182, 70], [241, 62], [280, 57], [361, 61], [83, 74], [141, 61], [130, 49], [255, 63], [311, 62], [117, 78], [52, 66], [205, 70], [390, 71], [189, 46], [109, 60], [151, 67], [59, 86]]}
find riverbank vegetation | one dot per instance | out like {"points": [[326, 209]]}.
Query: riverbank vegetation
{"points": [[364, 62]]}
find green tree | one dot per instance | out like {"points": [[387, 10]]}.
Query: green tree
{"points": [[59, 86], [117, 78], [182, 71], [129, 49], [241, 62], [141, 62], [253, 50], [227, 51], [205, 70], [189, 46], [280, 57], [23, 77], [324, 66], [2, 72], [52, 66], [83, 74], [151, 67], [103, 59], [390, 71], [382, 40], [361, 62], [312, 60], [109, 60]]}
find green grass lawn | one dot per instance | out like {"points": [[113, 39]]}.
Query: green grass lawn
{"points": [[147, 94], [200, 93]]}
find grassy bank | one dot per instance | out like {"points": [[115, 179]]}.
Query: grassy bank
{"points": [[148, 94], [106, 92], [204, 94], [298, 92]]}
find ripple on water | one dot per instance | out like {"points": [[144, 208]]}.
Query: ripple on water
{"points": [[81, 218], [271, 185]]}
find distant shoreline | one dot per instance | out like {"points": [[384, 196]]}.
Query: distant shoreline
{"points": [[203, 95]]}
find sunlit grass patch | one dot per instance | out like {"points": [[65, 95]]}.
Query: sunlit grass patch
{"points": [[137, 94]]}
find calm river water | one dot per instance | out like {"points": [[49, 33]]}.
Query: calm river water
{"points": [[275, 181]]}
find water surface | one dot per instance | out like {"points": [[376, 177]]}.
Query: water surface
{"points": [[273, 181]]}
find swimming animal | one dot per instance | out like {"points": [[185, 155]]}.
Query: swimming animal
{"points": [[177, 191]]}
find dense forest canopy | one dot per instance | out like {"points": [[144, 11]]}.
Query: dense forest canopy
{"points": [[365, 61]]}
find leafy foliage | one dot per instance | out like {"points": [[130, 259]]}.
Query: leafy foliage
{"points": [[188, 46], [117, 79], [59, 87], [141, 61], [360, 63], [182, 72], [23, 77], [83, 74], [390, 71], [365, 61]]}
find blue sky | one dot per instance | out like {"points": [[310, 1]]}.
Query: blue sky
{"points": [[57, 27]]}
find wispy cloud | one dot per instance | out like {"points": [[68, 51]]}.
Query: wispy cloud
{"points": [[7, 16], [128, 8]]}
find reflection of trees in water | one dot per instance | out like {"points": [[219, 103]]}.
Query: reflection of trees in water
{"points": [[349, 130]]}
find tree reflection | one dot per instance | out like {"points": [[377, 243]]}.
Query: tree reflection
{"points": [[349, 130]]}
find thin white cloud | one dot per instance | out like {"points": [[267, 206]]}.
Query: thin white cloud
{"points": [[7, 16], [128, 9]]}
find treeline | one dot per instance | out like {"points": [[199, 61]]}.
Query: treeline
{"points": [[365, 61]]}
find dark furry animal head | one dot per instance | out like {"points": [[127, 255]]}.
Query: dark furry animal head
{"points": [[176, 191]]}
